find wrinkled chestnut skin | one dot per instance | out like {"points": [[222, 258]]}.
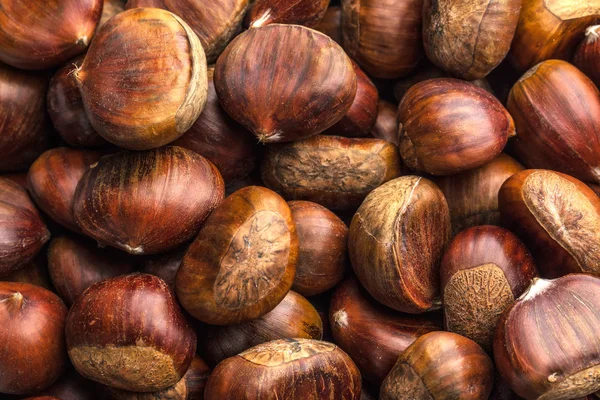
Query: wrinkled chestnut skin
{"points": [[121, 200], [32, 338], [35, 272], [587, 55], [42, 35], [297, 12], [396, 241], [546, 344], [129, 332], [386, 127], [165, 266], [252, 79], [440, 366], [371, 334], [333, 171], [483, 271], [558, 218], [53, 178], [331, 24], [449, 126], [294, 317], [557, 125], [72, 386], [243, 261], [286, 369]]}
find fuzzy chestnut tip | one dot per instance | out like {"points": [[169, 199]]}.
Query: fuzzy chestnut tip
{"points": [[592, 33]]}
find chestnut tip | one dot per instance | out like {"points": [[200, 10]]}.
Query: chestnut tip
{"points": [[16, 299], [592, 33], [537, 287], [82, 41]]}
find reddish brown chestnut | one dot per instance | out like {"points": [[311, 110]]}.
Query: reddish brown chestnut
{"points": [[386, 127], [587, 56], [297, 12], [110, 9], [331, 24], [72, 386], [165, 266], [35, 272]]}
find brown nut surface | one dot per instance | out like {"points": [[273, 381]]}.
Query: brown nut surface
{"points": [[72, 386], [587, 55], [35, 272], [297, 12], [331, 24], [165, 265], [386, 127]]}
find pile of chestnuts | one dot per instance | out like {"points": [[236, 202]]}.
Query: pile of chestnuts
{"points": [[299, 199]]}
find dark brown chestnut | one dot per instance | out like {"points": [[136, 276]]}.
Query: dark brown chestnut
{"points": [[72, 386], [331, 24], [121, 200], [297, 12], [587, 55], [165, 265], [20, 178], [34, 272], [386, 127], [128, 332]]}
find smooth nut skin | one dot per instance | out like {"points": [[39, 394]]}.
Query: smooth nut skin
{"points": [[297, 12], [129, 332], [32, 338], [253, 82], [165, 265], [386, 127], [469, 39], [558, 218], [440, 366], [35, 272], [383, 37], [42, 35], [121, 200], [286, 369], [587, 55], [546, 345], [447, 126], [396, 241], [371, 334], [323, 249], [72, 386], [557, 123], [331, 24], [483, 271], [333, 171], [243, 261], [138, 100]]}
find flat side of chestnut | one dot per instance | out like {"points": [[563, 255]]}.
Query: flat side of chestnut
{"points": [[298, 12]]}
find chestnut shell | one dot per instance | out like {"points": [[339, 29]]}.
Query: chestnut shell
{"points": [[297, 12]]}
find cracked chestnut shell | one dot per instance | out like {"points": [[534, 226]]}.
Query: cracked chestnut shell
{"points": [[297, 12], [137, 100], [558, 218], [331, 24], [254, 85], [396, 241], [546, 345], [447, 126], [243, 261], [286, 369], [587, 55], [121, 201], [128, 332]]}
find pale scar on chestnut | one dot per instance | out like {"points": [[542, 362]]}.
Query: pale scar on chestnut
{"points": [[273, 354]]}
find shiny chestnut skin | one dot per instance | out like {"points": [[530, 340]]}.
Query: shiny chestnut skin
{"points": [[41, 35], [483, 271], [331, 24], [323, 249], [447, 126], [587, 55], [371, 334], [558, 218], [440, 366], [165, 266], [546, 345], [129, 332], [386, 127], [286, 369], [554, 129], [120, 201], [34, 272], [32, 349], [252, 79], [297, 12]]}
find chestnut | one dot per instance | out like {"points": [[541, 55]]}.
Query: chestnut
{"points": [[322, 248], [137, 100], [110, 9], [484, 269], [243, 261], [20, 178], [297, 12], [35, 272], [41, 35], [386, 127], [557, 217], [449, 126], [32, 349], [333, 171], [294, 317], [546, 345], [252, 79], [554, 131], [120, 201], [165, 265], [331, 24], [371, 334], [587, 55], [128, 332], [72, 386], [291, 369], [440, 366]]}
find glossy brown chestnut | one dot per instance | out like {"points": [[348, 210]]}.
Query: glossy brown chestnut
{"points": [[333, 171], [35, 272], [294, 317], [396, 241], [557, 123], [546, 345], [41, 35], [449, 126], [373, 335], [331, 24], [587, 55], [110, 9], [558, 218], [286, 369], [120, 201], [32, 338], [128, 332], [137, 100], [165, 266], [440, 366], [297, 12], [254, 85], [386, 127], [72, 386]]}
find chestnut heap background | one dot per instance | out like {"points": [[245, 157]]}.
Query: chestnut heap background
{"points": [[299, 199]]}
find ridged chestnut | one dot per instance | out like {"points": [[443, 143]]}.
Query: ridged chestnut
{"points": [[331, 24], [297, 12], [386, 127], [587, 55]]}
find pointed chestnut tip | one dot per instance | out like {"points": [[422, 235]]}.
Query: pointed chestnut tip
{"points": [[16, 299], [592, 33], [538, 286], [530, 72], [135, 250], [82, 41], [262, 20]]}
